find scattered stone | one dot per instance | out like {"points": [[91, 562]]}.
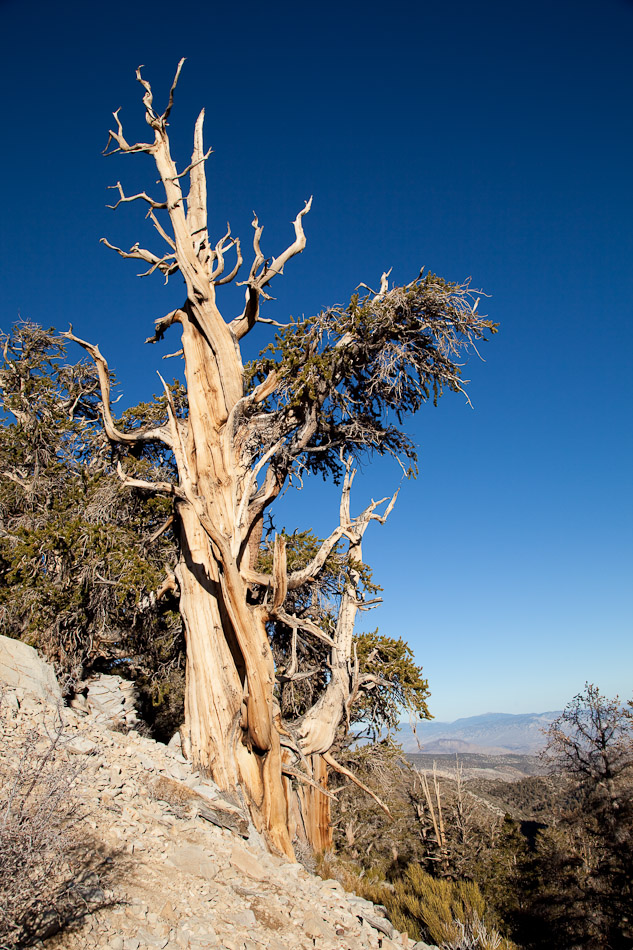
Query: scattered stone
{"points": [[315, 926], [333, 885], [81, 745], [170, 880], [109, 699], [193, 859], [246, 862]]}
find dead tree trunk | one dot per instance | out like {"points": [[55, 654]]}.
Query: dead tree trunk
{"points": [[229, 705], [234, 451]]}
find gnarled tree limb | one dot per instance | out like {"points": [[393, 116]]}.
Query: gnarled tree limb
{"points": [[331, 761], [151, 434], [257, 281]]}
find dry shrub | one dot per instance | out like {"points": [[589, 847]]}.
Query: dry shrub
{"points": [[46, 879]]}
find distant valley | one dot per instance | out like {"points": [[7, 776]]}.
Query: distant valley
{"points": [[491, 734]]}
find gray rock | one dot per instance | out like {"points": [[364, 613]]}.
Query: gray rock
{"points": [[315, 926], [206, 789], [332, 885], [148, 939], [80, 745], [242, 918], [175, 743], [110, 699], [242, 860], [192, 859], [22, 668]]}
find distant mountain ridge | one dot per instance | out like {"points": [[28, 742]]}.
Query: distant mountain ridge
{"points": [[488, 734]]}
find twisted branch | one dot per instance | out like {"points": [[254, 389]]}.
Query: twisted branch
{"points": [[151, 434], [257, 281]]}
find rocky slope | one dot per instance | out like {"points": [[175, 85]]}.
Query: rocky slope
{"points": [[164, 872]]}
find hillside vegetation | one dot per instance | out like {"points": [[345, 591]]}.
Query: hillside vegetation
{"points": [[547, 857]]}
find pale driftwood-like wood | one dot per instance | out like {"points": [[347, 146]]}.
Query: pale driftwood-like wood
{"points": [[230, 671], [327, 757], [226, 452], [315, 807]]}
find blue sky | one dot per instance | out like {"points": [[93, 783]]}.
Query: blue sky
{"points": [[490, 140]]}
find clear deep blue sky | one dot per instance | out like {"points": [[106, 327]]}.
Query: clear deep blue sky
{"points": [[491, 140]]}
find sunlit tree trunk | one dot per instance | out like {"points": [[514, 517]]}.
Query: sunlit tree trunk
{"points": [[236, 446]]}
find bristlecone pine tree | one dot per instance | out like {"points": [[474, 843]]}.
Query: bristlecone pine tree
{"points": [[315, 400]]}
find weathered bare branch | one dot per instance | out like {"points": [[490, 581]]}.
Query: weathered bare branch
{"points": [[163, 323], [141, 254], [151, 434], [165, 115], [191, 165], [197, 197], [265, 389], [169, 584], [161, 488], [22, 482], [299, 578], [162, 266], [178, 441], [141, 196], [161, 230], [349, 528], [241, 528], [257, 281], [302, 777], [297, 677], [218, 254], [331, 761], [164, 527], [123, 145], [301, 624], [384, 286], [280, 575], [273, 323]]}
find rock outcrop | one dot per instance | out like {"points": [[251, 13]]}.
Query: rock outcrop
{"points": [[21, 668], [108, 698]]}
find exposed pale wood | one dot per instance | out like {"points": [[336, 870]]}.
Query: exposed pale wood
{"points": [[233, 730], [315, 810], [164, 527], [331, 761], [318, 727], [258, 279]]}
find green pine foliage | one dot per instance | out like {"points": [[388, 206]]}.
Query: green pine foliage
{"points": [[360, 369], [78, 568], [400, 685]]}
